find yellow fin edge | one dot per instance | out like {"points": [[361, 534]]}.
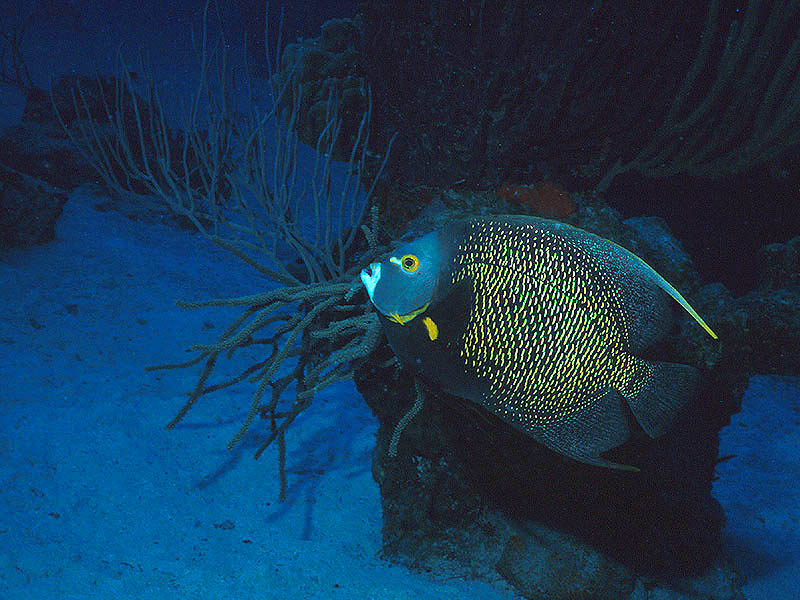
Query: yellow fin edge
{"points": [[676, 295], [403, 319]]}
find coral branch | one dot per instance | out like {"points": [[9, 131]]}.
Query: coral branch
{"points": [[233, 175]]}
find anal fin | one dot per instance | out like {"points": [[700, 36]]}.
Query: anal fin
{"points": [[601, 426], [661, 395]]}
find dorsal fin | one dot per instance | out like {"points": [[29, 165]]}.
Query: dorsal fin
{"points": [[676, 295], [646, 312]]}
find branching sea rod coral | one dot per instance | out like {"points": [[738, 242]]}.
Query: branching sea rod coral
{"points": [[236, 177], [326, 334]]}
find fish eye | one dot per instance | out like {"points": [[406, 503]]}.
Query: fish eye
{"points": [[409, 263]]}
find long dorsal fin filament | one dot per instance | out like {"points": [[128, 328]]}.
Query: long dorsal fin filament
{"points": [[676, 295]]}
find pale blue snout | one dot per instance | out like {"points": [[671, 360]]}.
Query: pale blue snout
{"points": [[370, 278]]}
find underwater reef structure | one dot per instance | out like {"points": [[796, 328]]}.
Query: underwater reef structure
{"points": [[465, 493], [698, 104], [510, 91], [30, 205], [29, 209]]}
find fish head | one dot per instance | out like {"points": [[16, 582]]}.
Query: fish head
{"points": [[403, 285]]}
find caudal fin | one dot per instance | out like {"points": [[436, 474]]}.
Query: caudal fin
{"points": [[666, 390]]}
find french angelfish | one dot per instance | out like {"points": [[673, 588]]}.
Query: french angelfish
{"points": [[540, 323]]}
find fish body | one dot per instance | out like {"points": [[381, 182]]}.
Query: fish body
{"points": [[540, 323]]}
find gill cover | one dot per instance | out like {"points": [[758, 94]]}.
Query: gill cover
{"points": [[402, 286]]}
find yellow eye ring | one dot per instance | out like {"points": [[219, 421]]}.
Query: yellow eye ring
{"points": [[409, 263]]}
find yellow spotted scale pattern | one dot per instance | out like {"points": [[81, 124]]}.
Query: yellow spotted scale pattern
{"points": [[547, 335]]}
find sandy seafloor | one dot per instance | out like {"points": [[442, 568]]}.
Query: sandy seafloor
{"points": [[98, 500]]}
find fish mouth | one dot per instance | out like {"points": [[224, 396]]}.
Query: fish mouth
{"points": [[370, 278]]}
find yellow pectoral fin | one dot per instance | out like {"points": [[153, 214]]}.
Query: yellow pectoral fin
{"points": [[433, 329]]}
